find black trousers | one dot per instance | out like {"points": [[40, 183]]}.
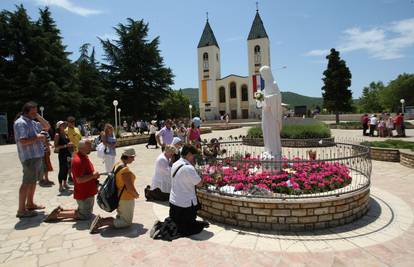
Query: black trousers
{"points": [[156, 194], [185, 219], [63, 168], [364, 128]]}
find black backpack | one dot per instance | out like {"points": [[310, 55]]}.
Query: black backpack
{"points": [[108, 198]]}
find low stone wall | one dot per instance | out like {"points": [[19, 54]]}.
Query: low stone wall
{"points": [[143, 139], [407, 158], [385, 154], [278, 214], [293, 142]]}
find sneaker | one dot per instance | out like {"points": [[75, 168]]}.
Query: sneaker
{"points": [[94, 225], [155, 230]]}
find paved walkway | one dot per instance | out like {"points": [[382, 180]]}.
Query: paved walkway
{"points": [[384, 237]]}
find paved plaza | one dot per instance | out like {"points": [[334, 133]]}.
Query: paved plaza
{"points": [[383, 237]]}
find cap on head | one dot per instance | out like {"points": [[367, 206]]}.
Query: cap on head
{"points": [[59, 123], [129, 152]]}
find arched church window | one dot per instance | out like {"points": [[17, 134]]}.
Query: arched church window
{"points": [[233, 90], [222, 94], [205, 61], [257, 56], [244, 93]]}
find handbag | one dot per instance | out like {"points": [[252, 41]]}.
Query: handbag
{"points": [[100, 150]]}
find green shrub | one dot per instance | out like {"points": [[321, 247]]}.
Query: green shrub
{"points": [[317, 130], [390, 144]]}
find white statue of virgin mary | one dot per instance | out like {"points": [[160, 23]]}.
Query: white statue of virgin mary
{"points": [[271, 115]]}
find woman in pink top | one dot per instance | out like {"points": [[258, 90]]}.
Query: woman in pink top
{"points": [[194, 135]]}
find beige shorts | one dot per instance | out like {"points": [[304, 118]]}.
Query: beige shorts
{"points": [[85, 208], [125, 213]]}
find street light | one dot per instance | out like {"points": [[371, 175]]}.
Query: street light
{"points": [[115, 103], [402, 105], [119, 113], [190, 107], [41, 108]]}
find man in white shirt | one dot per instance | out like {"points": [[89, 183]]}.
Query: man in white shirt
{"points": [[183, 199], [372, 124]]}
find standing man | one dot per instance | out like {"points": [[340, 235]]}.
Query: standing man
{"points": [[74, 136], [166, 133], [30, 147]]}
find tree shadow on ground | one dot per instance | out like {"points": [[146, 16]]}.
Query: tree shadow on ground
{"points": [[135, 230], [26, 223]]}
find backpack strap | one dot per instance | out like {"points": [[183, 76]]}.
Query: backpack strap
{"points": [[179, 167], [118, 169]]}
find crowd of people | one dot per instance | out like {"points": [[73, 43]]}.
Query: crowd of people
{"points": [[383, 125], [174, 180]]}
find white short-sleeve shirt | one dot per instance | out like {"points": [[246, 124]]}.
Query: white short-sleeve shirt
{"points": [[162, 176], [183, 184]]}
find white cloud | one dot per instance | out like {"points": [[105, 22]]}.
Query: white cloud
{"points": [[385, 42], [318, 52], [70, 6]]}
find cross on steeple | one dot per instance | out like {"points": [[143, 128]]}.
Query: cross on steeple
{"points": [[257, 6], [207, 16]]}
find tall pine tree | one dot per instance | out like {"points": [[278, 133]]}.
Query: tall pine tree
{"points": [[135, 69], [336, 96], [91, 84], [34, 66]]}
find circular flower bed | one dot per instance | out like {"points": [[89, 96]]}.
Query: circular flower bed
{"points": [[253, 176]]}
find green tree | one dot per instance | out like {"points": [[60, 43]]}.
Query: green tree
{"points": [[370, 100], [175, 105], [336, 95], [400, 88], [92, 86], [34, 65], [135, 69]]}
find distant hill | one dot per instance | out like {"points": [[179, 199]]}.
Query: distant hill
{"points": [[290, 98], [192, 94], [294, 99]]}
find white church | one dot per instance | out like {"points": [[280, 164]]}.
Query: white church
{"points": [[232, 94]]}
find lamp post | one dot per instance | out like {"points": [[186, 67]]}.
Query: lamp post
{"points": [[191, 115], [119, 113], [41, 108], [115, 103], [402, 105]]}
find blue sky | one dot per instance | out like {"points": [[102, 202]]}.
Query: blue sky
{"points": [[375, 37]]}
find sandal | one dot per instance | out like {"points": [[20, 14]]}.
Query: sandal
{"points": [[35, 207], [53, 216], [94, 224], [26, 214]]}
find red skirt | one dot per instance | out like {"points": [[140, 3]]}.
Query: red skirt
{"points": [[47, 162]]}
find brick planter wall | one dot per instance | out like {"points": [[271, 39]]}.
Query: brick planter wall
{"points": [[293, 142], [278, 214], [385, 154], [407, 158]]}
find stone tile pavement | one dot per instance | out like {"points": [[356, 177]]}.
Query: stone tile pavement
{"points": [[384, 237]]}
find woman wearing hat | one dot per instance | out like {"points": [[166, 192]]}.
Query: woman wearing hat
{"points": [[63, 146], [161, 181], [127, 192], [152, 130]]}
